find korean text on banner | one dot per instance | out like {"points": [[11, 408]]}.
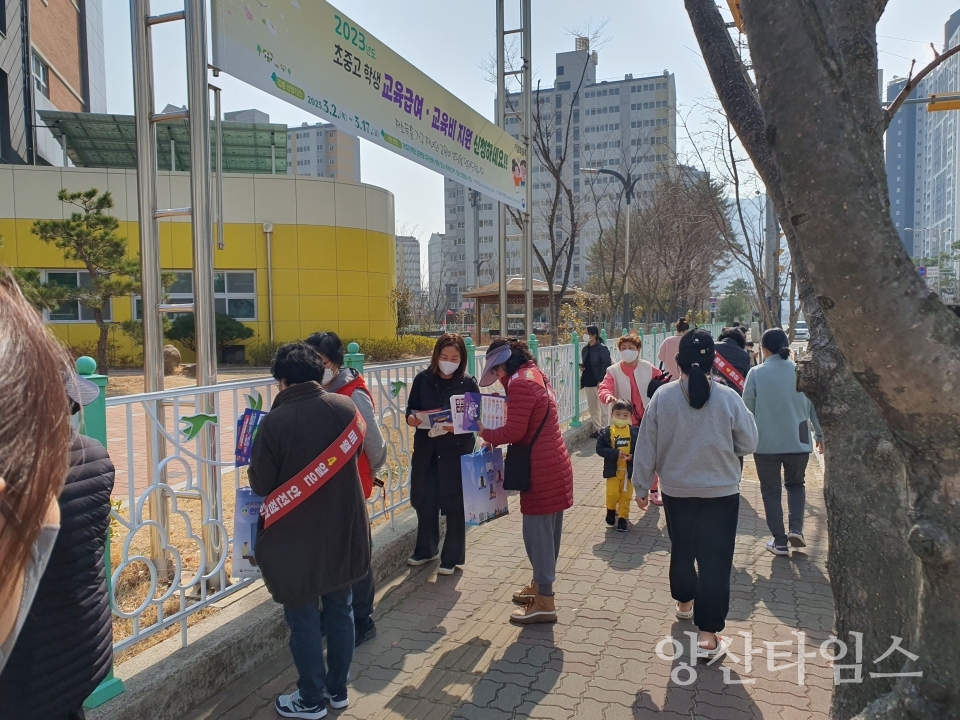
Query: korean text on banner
{"points": [[484, 498], [245, 518], [247, 426], [311, 55]]}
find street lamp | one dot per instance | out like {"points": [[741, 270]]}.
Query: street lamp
{"points": [[628, 183]]}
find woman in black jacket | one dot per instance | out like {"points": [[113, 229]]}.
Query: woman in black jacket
{"points": [[66, 645], [594, 361], [435, 481]]}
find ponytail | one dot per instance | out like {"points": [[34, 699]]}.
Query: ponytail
{"points": [[775, 341], [784, 353], [695, 358], [699, 387]]}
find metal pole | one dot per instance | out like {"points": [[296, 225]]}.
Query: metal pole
{"points": [[204, 313], [501, 208], [268, 231], [626, 261], [218, 142], [173, 155], [151, 286], [527, 135]]}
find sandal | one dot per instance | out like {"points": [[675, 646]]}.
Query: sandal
{"points": [[723, 644], [684, 615]]}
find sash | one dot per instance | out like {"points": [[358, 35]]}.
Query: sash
{"points": [[728, 372], [315, 475]]}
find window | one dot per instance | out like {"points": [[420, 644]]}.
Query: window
{"points": [[330, 148], [331, 162], [41, 76], [559, 134], [559, 70], [460, 225], [558, 100], [576, 116], [563, 85], [235, 294], [330, 133], [72, 311]]}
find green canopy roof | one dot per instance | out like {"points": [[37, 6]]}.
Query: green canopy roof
{"points": [[110, 141]]}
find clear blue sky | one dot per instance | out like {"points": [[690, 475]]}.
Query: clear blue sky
{"points": [[448, 39]]}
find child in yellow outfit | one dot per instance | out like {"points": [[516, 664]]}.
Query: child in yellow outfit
{"points": [[615, 444]]}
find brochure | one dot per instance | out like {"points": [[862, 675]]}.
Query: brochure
{"points": [[246, 431], [491, 410]]}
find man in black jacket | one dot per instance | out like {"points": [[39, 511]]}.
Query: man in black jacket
{"points": [[731, 346], [594, 361], [66, 645], [314, 542]]}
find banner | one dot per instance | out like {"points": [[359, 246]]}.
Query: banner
{"points": [[311, 55]]}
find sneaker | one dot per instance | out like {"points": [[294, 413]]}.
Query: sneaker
{"points": [[293, 706], [595, 434], [796, 539], [541, 610], [338, 701], [611, 517], [655, 498], [777, 549], [415, 561], [622, 524], [526, 594], [446, 569], [364, 633]]}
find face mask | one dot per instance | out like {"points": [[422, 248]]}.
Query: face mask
{"points": [[448, 368], [620, 422], [328, 376], [629, 355]]}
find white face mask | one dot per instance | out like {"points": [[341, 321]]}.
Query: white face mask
{"points": [[328, 376], [448, 368], [629, 355]]}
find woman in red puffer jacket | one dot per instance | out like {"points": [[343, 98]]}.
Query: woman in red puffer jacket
{"points": [[532, 411]]}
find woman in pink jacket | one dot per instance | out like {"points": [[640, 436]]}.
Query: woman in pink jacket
{"points": [[635, 381]]}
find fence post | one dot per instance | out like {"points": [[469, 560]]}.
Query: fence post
{"points": [[471, 357], [354, 358], [603, 335], [94, 424], [575, 339], [534, 347]]}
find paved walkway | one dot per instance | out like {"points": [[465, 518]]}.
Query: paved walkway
{"points": [[446, 650]]}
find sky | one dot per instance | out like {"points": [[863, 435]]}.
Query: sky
{"points": [[450, 39]]}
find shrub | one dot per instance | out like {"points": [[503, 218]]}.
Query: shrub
{"points": [[260, 353], [229, 332], [395, 348]]}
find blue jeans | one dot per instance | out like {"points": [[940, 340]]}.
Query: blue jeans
{"points": [[306, 644]]}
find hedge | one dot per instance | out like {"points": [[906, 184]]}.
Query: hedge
{"points": [[260, 354]]}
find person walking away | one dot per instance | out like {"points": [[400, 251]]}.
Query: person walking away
{"points": [[313, 535], [594, 361], [635, 381], [348, 382], [667, 354], [734, 360], [753, 354], [532, 419], [436, 484], [784, 416], [615, 445], [34, 445], [692, 436], [66, 645]]}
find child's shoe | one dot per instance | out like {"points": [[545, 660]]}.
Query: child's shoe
{"points": [[622, 524], [611, 517]]}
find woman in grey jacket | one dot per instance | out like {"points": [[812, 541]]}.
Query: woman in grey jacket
{"points": [[784, 416]]}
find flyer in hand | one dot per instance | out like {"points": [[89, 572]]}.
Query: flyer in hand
{"points": [[491, 410], [246, 431]]}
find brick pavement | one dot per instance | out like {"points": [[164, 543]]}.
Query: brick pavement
{"points": [[445, 648]]}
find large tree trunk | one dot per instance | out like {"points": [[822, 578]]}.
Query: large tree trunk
{"points": [[816, 65], [102, 341], [865, 472]]}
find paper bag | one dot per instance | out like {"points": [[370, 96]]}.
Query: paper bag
{"points": [[245, 518], [484, 498]]}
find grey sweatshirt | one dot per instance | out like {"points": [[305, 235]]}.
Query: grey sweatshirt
{"points": [[695, 452], [374, 446]]}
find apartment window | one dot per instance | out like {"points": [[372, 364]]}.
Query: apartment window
{"points": [[460, 225], [331, 161], [563, 85], [576, 132], [559, 134], [72, 311], [559, 70], [330, 133], [576, 168], [41, 76], [558, 100], [330, 148]]}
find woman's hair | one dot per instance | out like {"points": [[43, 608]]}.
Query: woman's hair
{"points": [[444, 341], [622, 405], [631, 338], [329, 345], [735, 334], [593, 330], [34, 428], [520, 354], [776, 341], [297, 362], [682, 325], [695, 358]]}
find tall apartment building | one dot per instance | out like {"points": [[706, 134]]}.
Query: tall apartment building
{"points": [[51, 58], [445, 268], [627, 124], [408, 262], [923, 168], [320, 150]]}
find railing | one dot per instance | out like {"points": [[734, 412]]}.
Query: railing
{"points": [[167, 523]]}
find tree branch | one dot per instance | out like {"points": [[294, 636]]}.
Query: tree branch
{"points": [[915, 80]]}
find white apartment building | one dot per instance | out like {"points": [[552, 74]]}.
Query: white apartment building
{"points": [[320, 150], [627, 125], [408, 262]]}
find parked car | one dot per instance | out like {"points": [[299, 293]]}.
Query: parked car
{"points": [[800, 332]]}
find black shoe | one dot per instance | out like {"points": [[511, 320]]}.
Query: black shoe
{"points": [[611, 517], [365, 632], [622, 524], [595, 434]]}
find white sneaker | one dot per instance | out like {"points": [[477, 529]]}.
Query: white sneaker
{"points": [[444, 570], [293, 706], [415, 561], [777, 549]]}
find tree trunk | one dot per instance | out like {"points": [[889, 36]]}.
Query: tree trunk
{"points": [[816, 67], [102, 341], [865, 473]]}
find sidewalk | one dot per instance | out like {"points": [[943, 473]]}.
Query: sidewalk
{"points": [[446, 650]]}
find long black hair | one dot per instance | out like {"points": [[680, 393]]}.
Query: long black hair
{"points": [[695, 358], [776, 341]]}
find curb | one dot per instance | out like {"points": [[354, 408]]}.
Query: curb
{"points": [[247, 631]]}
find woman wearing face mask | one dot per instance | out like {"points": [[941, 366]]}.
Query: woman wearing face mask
{"points": [[347, 381], [435, 480], [635, 381], [34, 445]]}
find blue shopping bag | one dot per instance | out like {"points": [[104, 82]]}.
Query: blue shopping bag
{"points": [[484, 498]]}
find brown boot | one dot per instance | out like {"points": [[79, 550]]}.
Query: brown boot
{"points": [[526, 595], [541, 610]]}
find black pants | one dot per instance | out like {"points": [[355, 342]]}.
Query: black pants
{"points": [[429, 506], [794, 468], [703, 532], [363, 593]]}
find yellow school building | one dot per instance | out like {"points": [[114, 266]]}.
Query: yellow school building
{"points": [[332, 250]]}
